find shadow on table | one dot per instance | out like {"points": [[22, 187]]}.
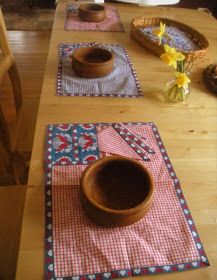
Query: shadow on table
{"points": [[155, 94]]}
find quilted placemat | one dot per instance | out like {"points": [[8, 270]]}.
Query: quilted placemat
{"points": [[121, 82], [165, 240], [111, 23]]}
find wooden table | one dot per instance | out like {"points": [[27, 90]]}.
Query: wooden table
{"points": [[188, 130]]}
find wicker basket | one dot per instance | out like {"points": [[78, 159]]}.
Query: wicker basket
{"points": [[157, 49], [210, 77]]}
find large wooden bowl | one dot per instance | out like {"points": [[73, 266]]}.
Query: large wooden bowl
{"points": [[91, 12], [92, 62], [116, 191]]}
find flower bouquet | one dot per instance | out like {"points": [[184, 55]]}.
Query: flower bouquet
{"points": [[178, 89]]}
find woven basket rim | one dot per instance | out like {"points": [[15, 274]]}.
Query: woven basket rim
{"points": [[194, 33]]}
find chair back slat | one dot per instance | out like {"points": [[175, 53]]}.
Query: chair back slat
{"points": [[5, 65], [4, 43], [8, 64], [12, 164]]}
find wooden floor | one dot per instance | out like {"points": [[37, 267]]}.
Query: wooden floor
{"points": [[30, 50]]}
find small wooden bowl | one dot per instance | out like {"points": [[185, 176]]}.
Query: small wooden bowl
{"points": [[92, 62], [116, 191], [91, 12]]}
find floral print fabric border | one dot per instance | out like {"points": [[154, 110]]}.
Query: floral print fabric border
{"points": [[78, 145], [111, 23], [121, 82]]}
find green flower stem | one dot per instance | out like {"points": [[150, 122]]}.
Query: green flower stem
{"points": [[175, 94], [180, 66]]}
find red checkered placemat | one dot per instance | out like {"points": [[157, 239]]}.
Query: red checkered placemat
{"points": [[111, 23], [121, 82], [165, 240]]}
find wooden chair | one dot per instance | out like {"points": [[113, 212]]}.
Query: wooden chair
{"points": [[12, 200], [11, 161]]}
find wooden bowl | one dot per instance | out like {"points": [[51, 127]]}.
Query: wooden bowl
{"points": [[91, 12], [92, 62], [116, 191]]}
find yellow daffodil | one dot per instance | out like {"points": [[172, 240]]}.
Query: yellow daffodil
{"points": [[171, 56], [159, 32], [182, 79]]}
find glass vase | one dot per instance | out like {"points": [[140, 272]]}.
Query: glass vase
{"points": [[173, 93]]}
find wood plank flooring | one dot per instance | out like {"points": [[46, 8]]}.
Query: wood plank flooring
{"points": [[30, 49]]}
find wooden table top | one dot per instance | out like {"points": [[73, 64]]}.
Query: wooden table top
{"points": [[188, 129]]}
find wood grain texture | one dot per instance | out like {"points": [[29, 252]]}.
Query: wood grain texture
{"points": [[188, 129], [30, 52], [91, 12], [8, 66], [113, 208], [12, 200]]}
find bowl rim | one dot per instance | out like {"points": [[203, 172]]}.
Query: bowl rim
{"points": [[144, 204], [84, 8], [92, 63]]}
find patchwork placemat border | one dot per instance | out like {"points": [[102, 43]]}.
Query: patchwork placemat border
{"points": [[85, 30], [59, 73], [137, 271]]}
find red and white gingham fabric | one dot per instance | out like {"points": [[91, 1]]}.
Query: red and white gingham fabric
{"points": [[111, 23], [111, 143], [69, 175], [80, 247]]}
